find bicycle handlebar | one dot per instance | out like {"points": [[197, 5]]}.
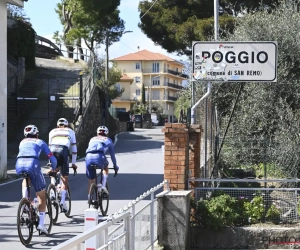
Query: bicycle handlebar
{"points": [[55, 172]]}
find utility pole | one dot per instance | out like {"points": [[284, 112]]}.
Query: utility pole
{"points": [[150, 90]]}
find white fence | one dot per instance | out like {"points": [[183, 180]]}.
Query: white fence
{"points": [[133, 230]]}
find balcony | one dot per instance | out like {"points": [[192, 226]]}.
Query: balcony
{"points": [[172, 85], [123, 99], [169, 71], [176, 73], [172, 98]]}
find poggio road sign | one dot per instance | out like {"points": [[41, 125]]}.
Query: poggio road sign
{"points": [[235, 61]]}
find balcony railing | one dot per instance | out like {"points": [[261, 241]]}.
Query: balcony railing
{"points": [[172, 98], [172, 85], [169, 71], [176, 73]]}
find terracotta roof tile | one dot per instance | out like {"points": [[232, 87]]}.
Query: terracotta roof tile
{"points": [[144, 55], [126, 77]]}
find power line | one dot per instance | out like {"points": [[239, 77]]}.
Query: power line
{"points": [[149, 9]]}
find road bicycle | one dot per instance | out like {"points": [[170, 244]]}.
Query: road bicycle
{"points": [[28, 215], [54, 193], [97, 197]]}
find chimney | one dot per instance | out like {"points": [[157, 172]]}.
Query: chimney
{"points": [[138, 47]]}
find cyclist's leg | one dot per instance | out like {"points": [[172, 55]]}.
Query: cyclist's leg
{"points": [[64, 170], [104, 164], [90, 171], [25, 165], [39, 185]]}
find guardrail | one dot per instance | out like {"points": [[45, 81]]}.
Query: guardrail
{"points": [[70, 51], [124, 236]]}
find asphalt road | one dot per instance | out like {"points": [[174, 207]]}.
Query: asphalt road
{"points": [[139, 156]]}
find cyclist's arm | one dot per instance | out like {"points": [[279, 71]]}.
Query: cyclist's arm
{"points": [[73, 148], [112, 154], [50, 155]]}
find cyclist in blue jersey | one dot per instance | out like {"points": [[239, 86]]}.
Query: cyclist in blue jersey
{"points": [[30, 149], [95, 155]]}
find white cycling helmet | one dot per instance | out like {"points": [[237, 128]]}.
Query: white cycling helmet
{"points": [[102, 129], [62, 122], [31, 130]]}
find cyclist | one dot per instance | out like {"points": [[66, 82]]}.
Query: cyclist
{"points": [[30, 149], [61, 140], [95, 155]]}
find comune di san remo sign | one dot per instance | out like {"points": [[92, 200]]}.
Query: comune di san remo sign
{"points": [[235, 61]]}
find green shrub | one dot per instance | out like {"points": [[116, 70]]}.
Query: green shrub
{"points": [[222, 210], [217, 212], [254, 210], [273, 213]]}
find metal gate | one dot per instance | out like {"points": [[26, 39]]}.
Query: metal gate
{"points": [[49, 98]]}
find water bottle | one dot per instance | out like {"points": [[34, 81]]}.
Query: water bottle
{"points": [[35, 203], [99, 187]]}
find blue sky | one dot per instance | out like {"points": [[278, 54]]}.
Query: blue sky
{"points": [[45, 22]]}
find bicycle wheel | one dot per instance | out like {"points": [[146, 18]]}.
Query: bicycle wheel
{"points": [[48, 214], [93, 200], [24, 221], [104, 201], [53, 199], [68, 202]]}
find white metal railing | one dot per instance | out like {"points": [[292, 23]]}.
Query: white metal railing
{"points": [[124, 235], [97, 230]]}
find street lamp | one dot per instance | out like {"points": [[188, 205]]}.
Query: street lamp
{"points": [[150, 91]]}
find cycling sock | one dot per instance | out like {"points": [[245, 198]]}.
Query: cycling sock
{"points": [[88, 196], [42, 218], [63, 196], [104, 180], [24, 192]]}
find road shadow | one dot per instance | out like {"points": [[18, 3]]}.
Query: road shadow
{"points": [[122, 187], [137, 145]]}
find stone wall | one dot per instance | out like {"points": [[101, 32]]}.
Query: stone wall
{"points": [[91, 120], [263, 237]]}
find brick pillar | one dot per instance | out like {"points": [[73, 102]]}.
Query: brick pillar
{"points": [[182, 154], [176, 153], [194, 153]]}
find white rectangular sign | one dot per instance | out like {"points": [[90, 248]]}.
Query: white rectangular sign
{"points": [[235, 61]]}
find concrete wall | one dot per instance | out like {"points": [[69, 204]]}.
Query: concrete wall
{"points": [[259, 237], [3, 88]]}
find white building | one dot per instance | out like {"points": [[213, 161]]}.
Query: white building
{"points": [[3, 82]]}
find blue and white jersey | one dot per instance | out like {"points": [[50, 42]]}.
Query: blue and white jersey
{"points": [[102, 144], [32, 147]]}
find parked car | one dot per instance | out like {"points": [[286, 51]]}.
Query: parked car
{"points": [[137, 118], [154, 120]]}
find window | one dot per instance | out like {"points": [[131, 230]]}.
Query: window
{"points": [[138, 66], [155, 83], [121, 109], [118, 87], [137, 92], [137, 79], [155, 94], [155, 67]]}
